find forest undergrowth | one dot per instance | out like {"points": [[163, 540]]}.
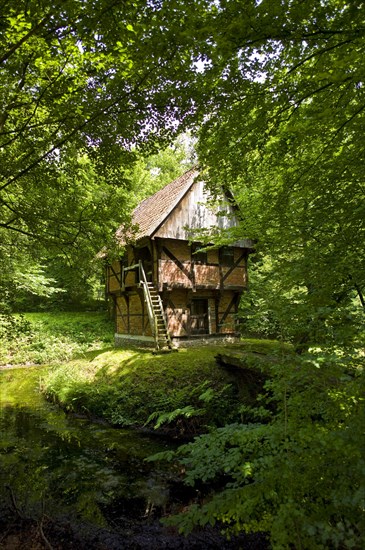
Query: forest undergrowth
{"points": [[274, 442]]}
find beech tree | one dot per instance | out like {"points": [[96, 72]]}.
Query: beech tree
{"points": [[284, 133], [78, 78], [82, 86], [274, 89]]}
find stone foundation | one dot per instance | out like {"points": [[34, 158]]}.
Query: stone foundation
{"points": [[201, 340], [121, 340]]}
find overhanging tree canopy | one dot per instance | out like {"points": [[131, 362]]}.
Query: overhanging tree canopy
{"points": [[76, 77], [284, 130], [278, 86]]}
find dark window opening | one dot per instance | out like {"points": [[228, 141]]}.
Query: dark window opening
{"points": [[199, 321], [124, 261], [144, 255], [199, 255], [226, 256]]}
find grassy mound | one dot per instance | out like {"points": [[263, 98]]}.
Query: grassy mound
{"points": [[136, 387], [182, 392]]}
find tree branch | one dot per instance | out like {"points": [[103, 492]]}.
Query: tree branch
{"points": [[313, 164], [18, 230], [68, 137], [20, 42], [318, 53]]}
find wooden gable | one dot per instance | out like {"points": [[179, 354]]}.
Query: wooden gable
{"points": [[193, 213], [177, 211]]}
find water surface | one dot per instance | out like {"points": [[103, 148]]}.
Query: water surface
{"points": [[70, 466]]}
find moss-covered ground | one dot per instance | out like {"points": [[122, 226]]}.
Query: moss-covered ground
{"points": [[182, 393]]}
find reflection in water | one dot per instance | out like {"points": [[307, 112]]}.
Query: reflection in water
{"points": [[84, 485], [71, 466]]}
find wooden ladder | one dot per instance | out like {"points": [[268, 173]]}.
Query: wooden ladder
{"points": [[156, 313]]}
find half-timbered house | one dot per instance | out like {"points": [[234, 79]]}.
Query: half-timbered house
{"points": [[167, 289]]}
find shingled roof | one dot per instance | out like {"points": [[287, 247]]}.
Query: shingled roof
{"points": [[152, 212]]}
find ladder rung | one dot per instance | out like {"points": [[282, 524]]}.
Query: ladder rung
{"points": [[162, 336]]}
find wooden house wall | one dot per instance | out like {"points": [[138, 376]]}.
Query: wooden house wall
{"points": [[238, 276], [213, 325], [130, 278], [113, 277], [174, 266], [183, 280], [122, 321], [179, 268], [227, 309], [206, 275], [222, 309], [177, 313], [213, 256], [180, 279], [179, 249], [193, 213], [132, 318], [131, 315]]}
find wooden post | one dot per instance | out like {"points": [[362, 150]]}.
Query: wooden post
{"points": [[122, 278]]}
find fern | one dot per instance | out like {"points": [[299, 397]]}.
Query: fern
{"points": [[170, 417]]}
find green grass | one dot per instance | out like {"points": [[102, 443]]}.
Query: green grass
{"points": [[49, 337], [127, 386]]}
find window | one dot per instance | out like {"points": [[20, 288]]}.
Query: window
{"points": [[198, 255], [199, 323], [226, 256]]}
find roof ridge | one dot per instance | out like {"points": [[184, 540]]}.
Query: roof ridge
{"points": [[171, 183]]}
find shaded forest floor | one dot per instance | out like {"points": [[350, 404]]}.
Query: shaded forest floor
{"points": [[44, 338], [29, 534]]}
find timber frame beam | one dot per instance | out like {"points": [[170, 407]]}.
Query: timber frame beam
{"points": [[233, 302], [179, 264], [234, 266]]}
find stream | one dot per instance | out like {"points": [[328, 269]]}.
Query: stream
{"points": [[69, 482]]}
